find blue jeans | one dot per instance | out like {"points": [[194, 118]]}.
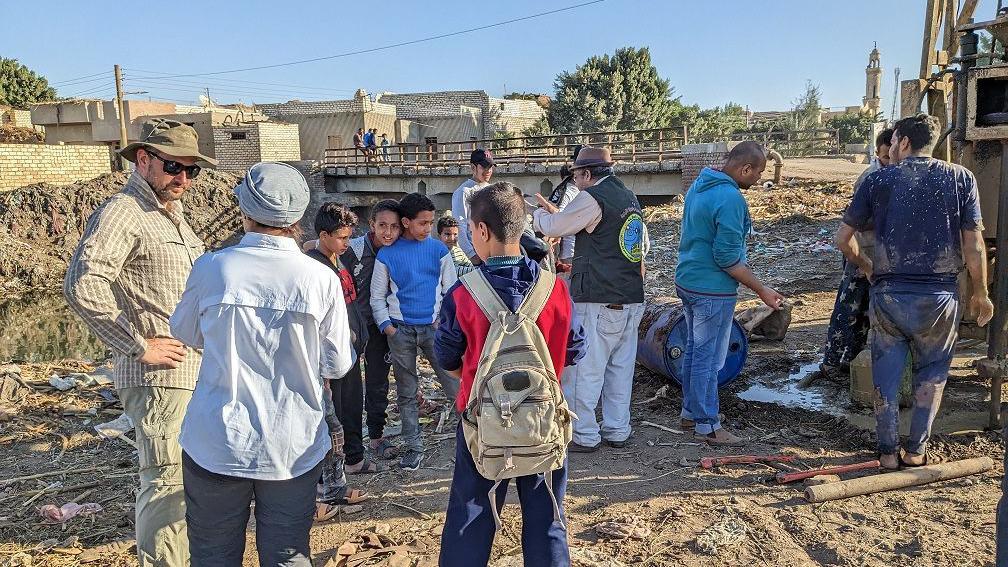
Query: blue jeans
{"points": [[919, 320], [708, 322], [403, 348], [470, 527]]}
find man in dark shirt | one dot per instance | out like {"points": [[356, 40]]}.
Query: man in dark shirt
{"points": [[926, 217]]}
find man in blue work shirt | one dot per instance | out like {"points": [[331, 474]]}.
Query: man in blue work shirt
{"points": [[926, 217]]}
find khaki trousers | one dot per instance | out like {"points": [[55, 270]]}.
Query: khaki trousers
{"points": [[157, 413]]}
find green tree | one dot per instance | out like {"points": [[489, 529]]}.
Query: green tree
{"points": [[714, 123], [806, 109], [21, 87], [606, 93], [854, 128]]}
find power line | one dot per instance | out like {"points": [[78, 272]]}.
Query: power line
{"points": [[223, 87], [78, 83], [76, 78], [393, 45], [159, 75]]}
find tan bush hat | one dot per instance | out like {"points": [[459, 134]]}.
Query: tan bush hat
{"points": [[169, 137]]}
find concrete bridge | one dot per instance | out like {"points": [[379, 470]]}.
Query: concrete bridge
{"points": [[650, 162]]}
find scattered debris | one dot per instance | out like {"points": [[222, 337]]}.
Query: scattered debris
{"points": [[726, 533], [62, 383], [629, 528], [53, 515], [711, 462], [663, 427]]}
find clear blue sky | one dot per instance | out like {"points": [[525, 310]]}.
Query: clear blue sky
{"points": [[713, 51]]}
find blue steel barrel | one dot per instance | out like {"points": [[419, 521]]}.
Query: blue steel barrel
{"points": [[661, 343]]}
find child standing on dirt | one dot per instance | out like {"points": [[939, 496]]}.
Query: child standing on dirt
{"points": [[334, 224], [410, 277], [496, 222]]}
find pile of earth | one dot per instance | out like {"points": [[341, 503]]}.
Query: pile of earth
{"points": [[41, 224], [19, 135]]}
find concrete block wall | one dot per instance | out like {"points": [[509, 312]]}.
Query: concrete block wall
{"points": [[17, 118], [278, 142], [695, 157], [513, 116], [236, 154], [24, 164]]}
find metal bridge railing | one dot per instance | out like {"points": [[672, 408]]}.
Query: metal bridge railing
{"points": [[631, 146]]}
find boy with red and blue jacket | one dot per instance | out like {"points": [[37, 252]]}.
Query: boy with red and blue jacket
{"points": [[497, 220]]}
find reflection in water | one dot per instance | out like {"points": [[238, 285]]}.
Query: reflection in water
{"points": [[40, 327]]}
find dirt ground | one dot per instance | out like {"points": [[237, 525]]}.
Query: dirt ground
{"points": [[675, 512]]}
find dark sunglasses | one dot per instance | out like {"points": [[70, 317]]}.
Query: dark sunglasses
{"points": [[172, 167]]}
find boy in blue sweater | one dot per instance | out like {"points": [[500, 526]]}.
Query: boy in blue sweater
{"points": [[410, 277], [712, 262]]}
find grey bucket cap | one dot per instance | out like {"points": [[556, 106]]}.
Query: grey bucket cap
{"points": [[273, 194]]}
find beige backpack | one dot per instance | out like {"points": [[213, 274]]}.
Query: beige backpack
{"points": [[516, 422]]}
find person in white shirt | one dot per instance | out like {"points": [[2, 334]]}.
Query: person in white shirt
{"points": [[482, 163], [273, 326]]}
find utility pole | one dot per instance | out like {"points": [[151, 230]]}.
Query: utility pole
{"points": [[208, 101], [122, 114], [895, 96]]}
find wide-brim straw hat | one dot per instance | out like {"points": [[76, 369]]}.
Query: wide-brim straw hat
{"points": [[592, 157], [170, 138]]}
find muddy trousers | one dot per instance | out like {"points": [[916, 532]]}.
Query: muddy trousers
{"points": [[914, 319], [606, 372], [218, 513], [161, 533], [470, 527], [848, 327]]}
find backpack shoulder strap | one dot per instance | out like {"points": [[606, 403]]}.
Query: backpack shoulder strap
{"points": [[537, 297], [484, 294]]}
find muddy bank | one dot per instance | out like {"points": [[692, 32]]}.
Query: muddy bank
{"points": [[41, 224]]}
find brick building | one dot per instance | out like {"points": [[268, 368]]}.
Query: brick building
{"points": [[238, 147]]}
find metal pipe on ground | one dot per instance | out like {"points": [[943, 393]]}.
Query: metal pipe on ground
{"points": [[897, 479]]}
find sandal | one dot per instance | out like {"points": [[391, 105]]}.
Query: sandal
{"points": [[364, 467], [385, 450], [325, 512], [898, 458], [346, 495], [928, 460]]}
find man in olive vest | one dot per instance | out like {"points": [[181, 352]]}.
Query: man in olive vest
{"points": [[607, 286]]}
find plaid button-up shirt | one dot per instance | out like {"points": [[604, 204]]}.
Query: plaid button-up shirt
{"points": [[126, 277]]}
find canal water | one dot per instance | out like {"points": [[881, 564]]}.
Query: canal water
{"points": [[40, 327]]}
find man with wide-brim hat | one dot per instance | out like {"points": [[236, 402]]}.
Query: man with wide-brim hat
{"points": [[124, 280], [607, 286]]}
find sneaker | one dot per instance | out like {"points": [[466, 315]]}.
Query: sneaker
{"points": [[410, 460], [576, 448], [615, 444], [721, 437]]}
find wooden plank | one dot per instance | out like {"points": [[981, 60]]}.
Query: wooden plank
{"points": [[932, 20]]}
